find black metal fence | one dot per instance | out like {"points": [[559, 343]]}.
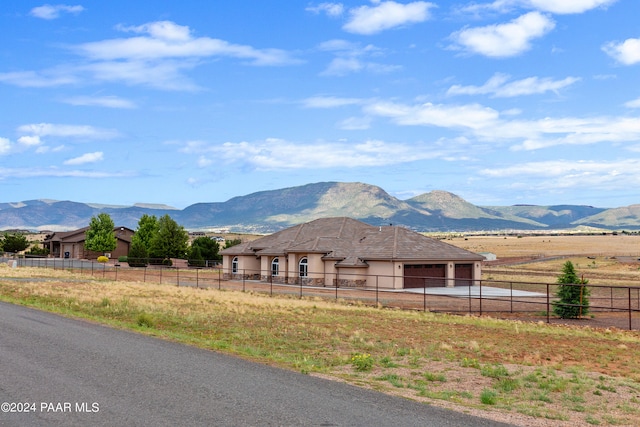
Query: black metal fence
{"points": [[609, 306]]}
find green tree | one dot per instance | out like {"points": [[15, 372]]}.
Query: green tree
{"points": [[572, 294], [231, 242], [195, 257], [14, 242], [138, 255], [100, 236], [147, 228], [208, 248], [170, 241]]}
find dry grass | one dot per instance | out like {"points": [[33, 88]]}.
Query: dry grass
{"points": [[548, 246], [538, 374]]}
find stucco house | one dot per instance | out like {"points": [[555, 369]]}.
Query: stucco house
{"points": [[70, 244], [347, 252]]}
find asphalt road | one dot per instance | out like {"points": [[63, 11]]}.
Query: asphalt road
{"points": [[56, 371]]}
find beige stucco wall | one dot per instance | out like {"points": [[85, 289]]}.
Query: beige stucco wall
{"points": [[249, 264], [385, 274], [381, 274]]}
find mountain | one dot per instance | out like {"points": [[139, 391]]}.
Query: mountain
{"points": [[619, 218], [269, 211]]}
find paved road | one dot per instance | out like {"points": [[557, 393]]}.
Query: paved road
{"points": [[76, 373]]}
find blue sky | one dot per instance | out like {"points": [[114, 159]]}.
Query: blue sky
{"points": [[500, 102]]}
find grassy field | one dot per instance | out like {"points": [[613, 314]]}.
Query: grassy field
{"points": [[528, 374]]}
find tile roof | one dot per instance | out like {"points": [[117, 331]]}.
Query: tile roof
{"points": [[353, 243]]}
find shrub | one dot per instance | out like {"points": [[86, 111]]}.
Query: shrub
{"points": [[494, 371], [488, 397], [103, 259], [362, 362], [123, 258], [37, 251], [145, 320]]}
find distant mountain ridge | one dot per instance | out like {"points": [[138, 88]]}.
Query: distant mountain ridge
{"points": [[269, 211]]}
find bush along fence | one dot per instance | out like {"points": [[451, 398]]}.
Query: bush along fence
{"points": [[606, 306]]}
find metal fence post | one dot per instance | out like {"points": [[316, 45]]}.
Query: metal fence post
{"points": [[377, 302], [630, 325], [548, 305], [424, 296], [480, 295], [511, 294]]}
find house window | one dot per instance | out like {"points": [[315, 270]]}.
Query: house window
{"points": [[234, 265], [302, 267], [275, 266]]}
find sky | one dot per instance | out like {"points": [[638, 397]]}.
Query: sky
{"points": [[500, 102]]}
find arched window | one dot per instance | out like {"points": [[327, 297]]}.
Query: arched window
{"points": [[275, 266], [234, 265], [302, 267]]}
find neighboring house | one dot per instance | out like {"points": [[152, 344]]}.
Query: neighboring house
{"points": [[70, 244], [347, 252]]}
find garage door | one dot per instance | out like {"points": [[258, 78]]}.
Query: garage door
{"points": [[464, 274], [424, 275]]}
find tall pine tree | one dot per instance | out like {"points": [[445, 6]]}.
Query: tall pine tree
{"points": [[572, 294]]}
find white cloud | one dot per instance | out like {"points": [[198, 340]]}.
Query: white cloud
{"points": [[67, 131], [549, 132], [627, 52], [97, 156], [554, 175], [46, 78], [331, 9], [30, 140], [633, 104], [279, 154], [166, 40], [344, 66], [489, 125], [203, 162], [355, 123], [54, 172], [567, 176], [504, 40], [329, 102], [353, 58], [101, 101], [5, 146], [567, 6], [551, 6], [53, 12], [386, 15], [499, 86], [471, 116], [157, 55]]}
